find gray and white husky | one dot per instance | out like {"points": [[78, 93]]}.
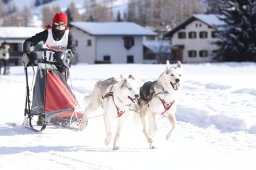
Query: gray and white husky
{"points": [[160, 97], [117, 97]]}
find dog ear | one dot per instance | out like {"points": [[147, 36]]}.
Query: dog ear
{"points": [[131, 77], [124, 83], [179, 64], [167, 63], [167, 66]]}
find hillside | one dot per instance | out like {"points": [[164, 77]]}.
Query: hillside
{"points": [[63, 4]]}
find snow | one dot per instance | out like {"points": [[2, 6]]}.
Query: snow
{"points": [[210, 19], [216, 126], [19, 32], [113, 28]]}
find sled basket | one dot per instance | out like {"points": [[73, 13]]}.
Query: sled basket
{"points": [[52, 98]]}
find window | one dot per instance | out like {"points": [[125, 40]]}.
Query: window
{"points": [[203, 34], [181, 35], [106, 58], [89, 42], [215, 34], [192, 53], [203, 53], [192, 35], [130, 59], [128, 42]]}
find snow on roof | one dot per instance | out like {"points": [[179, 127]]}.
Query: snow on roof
{"points": [[158, 46], [19, 32], [112, 28], [210, 19]]}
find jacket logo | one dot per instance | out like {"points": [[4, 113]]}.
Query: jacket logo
{"points": [[56, 48]]}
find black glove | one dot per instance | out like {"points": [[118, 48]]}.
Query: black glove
{"points": [[61, 58], [70, 54], [33, 60], [29, 59]]}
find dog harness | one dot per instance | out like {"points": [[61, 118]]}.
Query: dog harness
{"points": [[119, 111], [166, 105]]}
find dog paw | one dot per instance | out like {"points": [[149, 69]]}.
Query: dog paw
{"points": [[152, 146], [116, 148], [107, 140], [82, 123], [150, 140], [168, 137]]}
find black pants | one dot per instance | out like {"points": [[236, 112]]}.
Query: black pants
{"points": [[5, 64]]}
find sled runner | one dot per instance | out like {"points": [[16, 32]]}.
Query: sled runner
{"points": [[50, 100]]}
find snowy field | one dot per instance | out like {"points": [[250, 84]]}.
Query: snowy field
{"points": [[216, 127]]}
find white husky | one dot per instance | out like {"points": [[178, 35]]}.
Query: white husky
{"points": [[117, 97], [160, 98]]}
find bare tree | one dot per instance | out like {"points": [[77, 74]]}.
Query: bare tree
{"points": [[48, 14], [131, 11], [211, 6], [1, 12], [162, 13], [96, 12], [26, 15]]}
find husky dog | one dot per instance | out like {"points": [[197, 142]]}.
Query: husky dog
{"points": [[160, 98], [117, 98]]}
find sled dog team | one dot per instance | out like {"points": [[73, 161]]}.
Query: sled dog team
{"points": [[118, 97]]}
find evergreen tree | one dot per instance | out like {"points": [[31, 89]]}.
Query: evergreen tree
{"points": [[72, 13], [118, 17], [70, 16], [237, 38]]}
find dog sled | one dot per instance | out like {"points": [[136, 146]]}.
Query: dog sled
{"points": [[49, 99]]}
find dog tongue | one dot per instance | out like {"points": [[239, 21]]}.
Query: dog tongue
{"points": [[135, 100], [175, 86], [131, 99]]}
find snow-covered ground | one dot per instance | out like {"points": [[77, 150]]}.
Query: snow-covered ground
{"points": [[216, 127]]}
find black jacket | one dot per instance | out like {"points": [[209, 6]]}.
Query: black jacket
{"points": [[42, 36]]}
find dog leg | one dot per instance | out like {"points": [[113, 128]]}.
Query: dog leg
{"points": [[118, 132], [152, 129], [90, 108], [107, 123], [142, 117], [172, 120]]}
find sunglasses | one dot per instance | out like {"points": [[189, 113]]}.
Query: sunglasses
{"points": [[59, 24]]}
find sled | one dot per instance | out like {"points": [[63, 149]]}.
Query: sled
{"points": [[49, 99]]}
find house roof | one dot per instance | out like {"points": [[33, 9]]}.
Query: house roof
{"points": [[211, 20], [18, 32], [113, 28], [157, 46]]}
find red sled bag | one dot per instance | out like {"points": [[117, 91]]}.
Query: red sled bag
{"points": [[52, 99]]}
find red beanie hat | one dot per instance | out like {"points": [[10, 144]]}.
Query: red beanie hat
{"points": [[60, 17]]}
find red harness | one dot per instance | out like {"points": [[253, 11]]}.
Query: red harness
{"points": [[166, 105], [119, 112]]}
